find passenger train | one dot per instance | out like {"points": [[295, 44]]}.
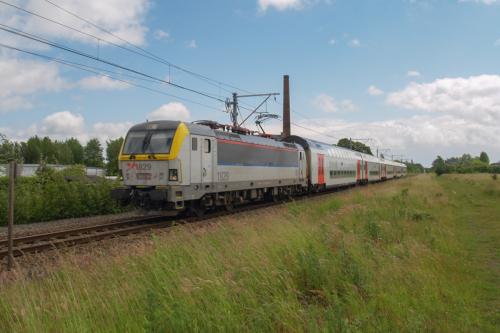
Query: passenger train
{"points": [[194, 167]]}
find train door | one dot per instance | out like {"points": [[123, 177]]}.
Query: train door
{"points": [[196, 151], [207, 161], [361, 170], [321, 169], [302, 165], [366, 171], [358, 172]]}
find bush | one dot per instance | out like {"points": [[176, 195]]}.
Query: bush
{"points": [[55, 195], [494, 176]]}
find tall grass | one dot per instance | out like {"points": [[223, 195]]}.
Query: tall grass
{"points": [[394, 257]]}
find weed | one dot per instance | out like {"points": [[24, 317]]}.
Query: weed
{"points": [[418, 215], [295, 209], [373, 231], [275, 273]]}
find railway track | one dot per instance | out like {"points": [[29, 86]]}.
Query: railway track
{"points": [[70, 237], [74, 236]]}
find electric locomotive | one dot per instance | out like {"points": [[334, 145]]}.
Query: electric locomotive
{"points": [[173, 165]]}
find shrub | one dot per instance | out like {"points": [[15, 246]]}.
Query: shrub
{"points": [[55, 195], [494, 176]]}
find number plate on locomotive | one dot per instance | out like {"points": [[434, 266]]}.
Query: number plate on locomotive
{"points": [[143, 176]]}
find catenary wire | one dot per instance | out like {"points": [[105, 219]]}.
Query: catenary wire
{"points": [[86, 55], [96, 71], [147, 53]]}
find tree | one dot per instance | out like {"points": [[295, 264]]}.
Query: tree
{"points": [[76, 150], [415, 167], [354, 145], [112, 152], [439, 166], [48, 150], [92, 154], [32, 150], [9, 150], [64, 155], [484, 158]]}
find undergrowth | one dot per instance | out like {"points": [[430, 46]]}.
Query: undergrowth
{"points": [[55, 195], [400, 256]]}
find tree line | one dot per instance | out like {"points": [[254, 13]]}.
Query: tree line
{"points": [[464, 164], [38, 150], [354, 145]]}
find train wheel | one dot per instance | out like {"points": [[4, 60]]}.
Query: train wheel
{"points": [[229, 207], [197, 210]]}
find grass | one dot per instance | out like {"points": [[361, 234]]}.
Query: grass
{"points": [[419, 254]]}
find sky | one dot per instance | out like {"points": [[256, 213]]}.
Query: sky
{"points": [[413, 78]]}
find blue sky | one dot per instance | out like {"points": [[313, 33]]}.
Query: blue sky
{"points": [[419, 77]]}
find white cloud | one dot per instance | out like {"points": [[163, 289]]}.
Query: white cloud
{"points": [[107, 131], [170, 111], [475, 97], [419, 137], [62, 124], [160, 34], [101, 82], [332, 41], [413, 73], [374, 91], [486, 2], [354, 43], [123, 18], [327, 103], [191, 44], [281, 4], [348, 106], [66, 124], [20, 79], [497, 42]]}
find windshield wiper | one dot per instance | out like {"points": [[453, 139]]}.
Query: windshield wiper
{"points": [[147, 141]]}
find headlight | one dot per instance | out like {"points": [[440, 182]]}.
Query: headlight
{"points": [[172, 175]]}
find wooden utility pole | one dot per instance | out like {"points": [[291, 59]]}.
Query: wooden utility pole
{"points": [[10, 226]]}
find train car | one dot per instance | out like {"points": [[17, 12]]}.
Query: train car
{"points": [[395, 169], [172, 165], [329, 166], [372, 168]]}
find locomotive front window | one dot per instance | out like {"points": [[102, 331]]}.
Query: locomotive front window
{"points": [[149, 142]]}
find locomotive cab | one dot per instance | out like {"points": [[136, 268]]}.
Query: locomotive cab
{"points": [[151, 165]]}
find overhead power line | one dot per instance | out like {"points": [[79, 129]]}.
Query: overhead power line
{"points": [[315, 131], [145, 52], [39, 39], [95, 70]]}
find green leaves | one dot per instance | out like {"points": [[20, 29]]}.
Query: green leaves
{"points": [[55, 195]]}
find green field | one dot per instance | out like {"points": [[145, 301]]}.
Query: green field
{"points": [[418, 254]]}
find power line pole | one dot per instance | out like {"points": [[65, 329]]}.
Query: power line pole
{"points": [[234, 106], [10, 223]]}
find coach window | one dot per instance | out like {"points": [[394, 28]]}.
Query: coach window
{"points": [[194, 144], [207, 146]]}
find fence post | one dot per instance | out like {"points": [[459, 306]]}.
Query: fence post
{"points": [[10, 226]]}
